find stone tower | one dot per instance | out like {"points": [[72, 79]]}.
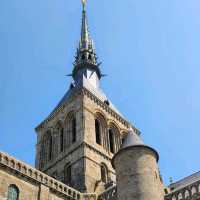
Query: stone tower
{"points": [[76, 142], [137, 171]]}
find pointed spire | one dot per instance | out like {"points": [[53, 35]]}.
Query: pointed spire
{"points": [[84, 29], [85, 56]]}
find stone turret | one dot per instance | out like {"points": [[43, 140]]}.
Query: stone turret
{"points": [[137, 171]]}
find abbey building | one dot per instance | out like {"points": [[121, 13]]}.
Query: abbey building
{"points": [[87, 150]]}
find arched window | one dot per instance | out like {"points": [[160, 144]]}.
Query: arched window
{"points": [[73, 130], [104, 173], [50, 149], [111, 141], [114, 138], [67, 174], [13, 192], [98, 131], [61, 132]]}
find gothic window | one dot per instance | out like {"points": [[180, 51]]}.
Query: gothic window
{"points": [[13, 192], [50, 149], [104, 173], [67, 174], [98, 131], [111, 141], [61, 139], [73, 130], [114, 138]]}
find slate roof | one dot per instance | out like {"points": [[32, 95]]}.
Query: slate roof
{"points": [[185, 181], [96, 91], [132, 139]]}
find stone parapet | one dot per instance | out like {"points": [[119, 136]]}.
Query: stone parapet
{"points": [[29, 172]]}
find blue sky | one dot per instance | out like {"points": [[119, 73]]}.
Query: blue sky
{"points": [[149, 49]]}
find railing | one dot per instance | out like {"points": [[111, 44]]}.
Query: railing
{"points": [[110, 194]]}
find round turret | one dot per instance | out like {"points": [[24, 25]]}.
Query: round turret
{"points": [[137, 171]]}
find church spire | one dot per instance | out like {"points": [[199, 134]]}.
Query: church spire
{"points": [[84, 29], [85, 58]]}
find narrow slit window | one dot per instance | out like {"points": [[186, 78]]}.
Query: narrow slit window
{"points": [[50, 147], [61, 139], [111, 140], [98, 132], [73, 130]]}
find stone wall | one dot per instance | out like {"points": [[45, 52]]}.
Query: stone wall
{"points": [[32, 184]]}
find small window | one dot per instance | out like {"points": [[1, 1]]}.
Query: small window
{"points": [[73, 130], [104, 173], [13, 192], [98, 131], [111, 141], [90, 57]]}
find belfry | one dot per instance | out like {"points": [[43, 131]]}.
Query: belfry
{"points": [[77, 140]]}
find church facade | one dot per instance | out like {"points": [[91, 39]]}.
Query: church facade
{"points": [[87, 150]]}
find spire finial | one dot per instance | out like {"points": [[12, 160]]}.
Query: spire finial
{"points": [[84, 3]]}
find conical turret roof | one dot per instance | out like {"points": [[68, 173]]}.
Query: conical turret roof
{"points": [[132, 139]]}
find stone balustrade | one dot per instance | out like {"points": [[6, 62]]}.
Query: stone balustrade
{"points": [[190, 192], [109, 194], [32, 173]]}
